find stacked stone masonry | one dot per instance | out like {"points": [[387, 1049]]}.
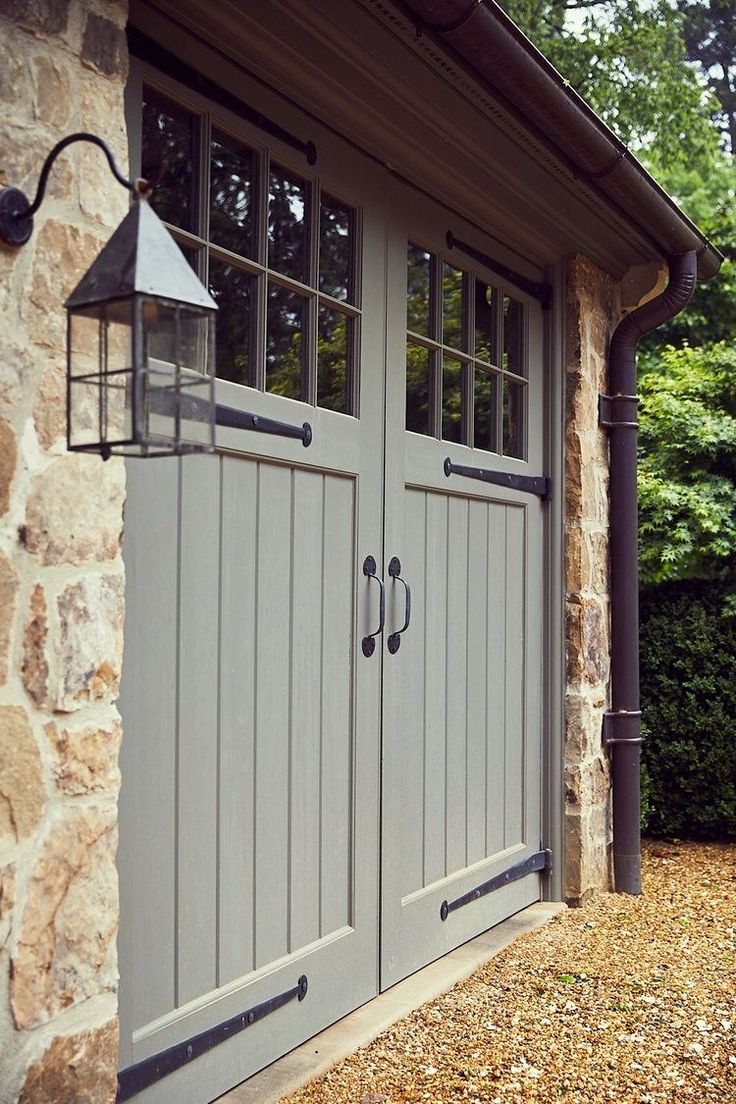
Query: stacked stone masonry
{"points": [[61, 574], [592, 311]]}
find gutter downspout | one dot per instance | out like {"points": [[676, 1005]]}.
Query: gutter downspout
{"points": [[618, 412]]}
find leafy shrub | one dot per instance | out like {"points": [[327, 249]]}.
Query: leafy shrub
{"points": [[688, 684]]}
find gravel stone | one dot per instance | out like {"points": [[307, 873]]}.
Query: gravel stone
{"points": [[629, 999]]}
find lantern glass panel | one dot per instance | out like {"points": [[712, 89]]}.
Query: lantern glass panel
{"points": [[100, 370], [175, 399]]}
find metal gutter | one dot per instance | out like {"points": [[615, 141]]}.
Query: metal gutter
{"points": [[618, 413], [491, 44]]}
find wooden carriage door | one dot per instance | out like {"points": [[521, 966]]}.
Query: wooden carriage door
{"points": [[249, 808], [462, 691]]}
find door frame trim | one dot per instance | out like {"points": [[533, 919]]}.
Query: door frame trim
{"points": [[554, 681]]}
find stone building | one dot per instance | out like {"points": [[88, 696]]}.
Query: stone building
{"points": [[290, 792]]}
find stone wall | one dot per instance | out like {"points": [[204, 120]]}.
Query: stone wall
{"points": [[61, 574], [592, 312]]}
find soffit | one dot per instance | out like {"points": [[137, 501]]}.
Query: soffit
{"points": [[361, 69]]}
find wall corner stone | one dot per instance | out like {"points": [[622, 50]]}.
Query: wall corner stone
{"points": [[592, 311], [61, 574]]}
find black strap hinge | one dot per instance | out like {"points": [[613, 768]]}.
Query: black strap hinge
{"points": [[542, 860], [136, 1078], [618, 411], [539, 485], [231, 417], [541, 292]]}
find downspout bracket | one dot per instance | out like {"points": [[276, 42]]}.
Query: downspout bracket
{"points": [[621, 726], [618, 411]]}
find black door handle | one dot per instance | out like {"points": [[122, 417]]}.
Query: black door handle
{"points": [[394, 570], [368, 643]]}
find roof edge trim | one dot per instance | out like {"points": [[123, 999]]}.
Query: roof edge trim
{"points": [[491, 44]]}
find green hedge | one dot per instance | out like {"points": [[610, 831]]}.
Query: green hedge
{"points": [[688, 690]]}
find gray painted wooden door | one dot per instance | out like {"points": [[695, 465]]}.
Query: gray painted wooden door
{"points": [[260, 743], [462, 695], [249, 811]]}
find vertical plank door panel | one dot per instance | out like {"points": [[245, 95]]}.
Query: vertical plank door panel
{"points": [[199, 542], [308, 567], [435, 652], [237, 701], [497, 670], [337, 704], [403, 759], [515, 673], [273, 653], [456, 674], [477, 653]]}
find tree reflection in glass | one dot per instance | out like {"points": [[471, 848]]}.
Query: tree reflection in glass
{"points": [[231, 194], [453, 307], [333, 360], [286, 343], [513, 336], [234, 292], [418, 374], [167, 157], [335, 248], [288, 240], [418, 286], [514, 395], [485, 410], [452, 400], [486, 330]]}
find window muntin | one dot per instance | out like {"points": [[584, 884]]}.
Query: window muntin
{"points": [[279, 254], [466, 357]]}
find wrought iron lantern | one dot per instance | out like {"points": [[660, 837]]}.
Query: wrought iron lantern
{"points": [[140, 337]]}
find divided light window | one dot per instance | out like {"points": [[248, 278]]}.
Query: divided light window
{"points": [[466, 357], [277, 252]]}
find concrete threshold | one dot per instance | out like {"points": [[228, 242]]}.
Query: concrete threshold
{"points": [[320, 1053]]}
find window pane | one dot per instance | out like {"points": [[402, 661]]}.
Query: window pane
{"points": [[234, 291], [418, 285], [452, 400], [485, 417], [288, 216], [453, 307], [333, 360], [167, 158], [514, 395], [286, 343], [231, 194], [418, 389], [486, 335], [513, 336], [335, 248]]}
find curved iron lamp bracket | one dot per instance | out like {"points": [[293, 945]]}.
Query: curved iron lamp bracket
{"points": [[16, 213]]}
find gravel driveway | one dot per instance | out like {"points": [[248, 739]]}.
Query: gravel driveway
{"points": [[627, 999]]}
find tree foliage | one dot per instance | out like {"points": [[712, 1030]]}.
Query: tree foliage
{"points": [[710, 37], [687, 480], [627, 58], [708, 195]]}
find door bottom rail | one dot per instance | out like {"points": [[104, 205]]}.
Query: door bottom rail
{"points": [[136, 1078], [542, 860]]}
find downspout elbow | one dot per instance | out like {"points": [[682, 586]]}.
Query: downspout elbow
{"points": [[623, 720], [683, 269]]}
